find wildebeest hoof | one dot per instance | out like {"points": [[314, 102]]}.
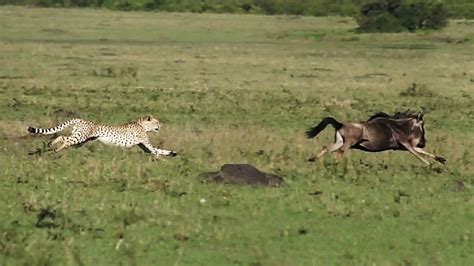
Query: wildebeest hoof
{"points": [[312, 159], [440, 159]]}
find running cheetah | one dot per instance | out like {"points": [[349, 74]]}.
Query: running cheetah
{"points": [[124, 135]]}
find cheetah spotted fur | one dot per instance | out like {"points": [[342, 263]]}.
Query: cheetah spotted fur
{"points": [[124, 135]]}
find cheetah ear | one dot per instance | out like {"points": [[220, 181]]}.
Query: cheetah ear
{"points": [[149, 118]]}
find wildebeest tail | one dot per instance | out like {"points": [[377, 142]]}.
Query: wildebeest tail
{"points": [[47, 131], [313, 132]]}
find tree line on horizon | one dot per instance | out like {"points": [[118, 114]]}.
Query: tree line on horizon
{"points": [[454, 8], [371, 15]]}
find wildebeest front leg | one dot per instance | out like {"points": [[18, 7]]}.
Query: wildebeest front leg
{"points": [[437, 158], [412, 150]]}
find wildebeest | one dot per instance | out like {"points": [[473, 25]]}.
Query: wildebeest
{"points": [[401, 131]]}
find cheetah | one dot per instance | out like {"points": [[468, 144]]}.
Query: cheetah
{"points": [[123, 135]]}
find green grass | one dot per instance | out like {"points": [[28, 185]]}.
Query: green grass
{"points": [[230, 88]]}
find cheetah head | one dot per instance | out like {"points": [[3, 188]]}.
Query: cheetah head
{"points": [[150, 123]]}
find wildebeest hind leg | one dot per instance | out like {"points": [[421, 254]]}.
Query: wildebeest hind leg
{"points": [[334, 147], [345, 148]]}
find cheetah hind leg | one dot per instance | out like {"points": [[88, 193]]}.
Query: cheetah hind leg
{"points": [[63, 142], [63, 145], [56, 141], [156, 157]]}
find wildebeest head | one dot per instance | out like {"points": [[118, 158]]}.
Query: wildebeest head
{"points": [[418, 130]]}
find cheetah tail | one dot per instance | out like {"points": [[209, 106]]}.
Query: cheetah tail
{"points": [[48, 131]]}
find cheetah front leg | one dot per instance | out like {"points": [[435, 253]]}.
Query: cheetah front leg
{"points": [[157, 152]]}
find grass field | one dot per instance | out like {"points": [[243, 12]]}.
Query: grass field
{"points": [[230, 88]]}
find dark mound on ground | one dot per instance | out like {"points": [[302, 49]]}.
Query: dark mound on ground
{"points": [[244, 174]]}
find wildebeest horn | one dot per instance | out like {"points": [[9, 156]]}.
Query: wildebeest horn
{"points": [[422, 113]]}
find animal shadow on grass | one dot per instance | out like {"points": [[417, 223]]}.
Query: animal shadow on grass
{"points": [[56, 222], [45, 147]]}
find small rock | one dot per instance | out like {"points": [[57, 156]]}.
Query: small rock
{"points": [[244, 174], [181, 237]]}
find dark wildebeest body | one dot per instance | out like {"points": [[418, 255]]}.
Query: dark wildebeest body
{"points": [[381, 132]]}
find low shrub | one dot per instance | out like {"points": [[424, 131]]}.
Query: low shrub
{"points": [[417, 90], [380, 22], [396, 16]]}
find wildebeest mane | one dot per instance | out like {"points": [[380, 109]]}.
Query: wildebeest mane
{"points": [[396, 115]]}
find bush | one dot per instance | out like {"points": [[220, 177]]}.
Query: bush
{"points": [[395, 16], [461, 10], [154, 5], [84, 3], [422, 15], [437, 18], [268, 6], [381, 22], [125, 5], [228, 8], [246, 7], [44, 3]]}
